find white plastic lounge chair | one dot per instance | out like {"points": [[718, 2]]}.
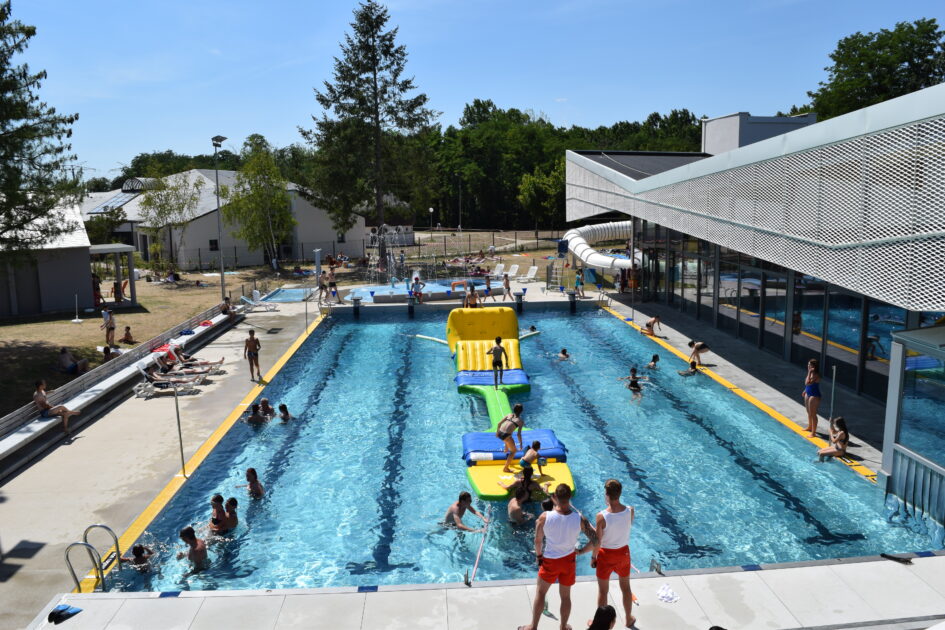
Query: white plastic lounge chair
{"points": [[181, 371], [251, 305], [499, 270], [150, 385], [512, 271], [530, 276]]}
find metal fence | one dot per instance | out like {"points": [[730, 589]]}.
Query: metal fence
{"points": [[426, 244], [15, 419]]}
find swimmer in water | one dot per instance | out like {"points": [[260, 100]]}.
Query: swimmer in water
{"points": [[284, 414], [254, 486], [654, 362], [197, 548], [455, 512], [693, 370], [563, 355], [232, 520], [266, 409], [140, 557], [517, 512], [255, 416], [218, 517], [633, 383]]}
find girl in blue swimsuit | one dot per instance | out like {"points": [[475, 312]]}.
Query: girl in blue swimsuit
{"points": [[811, 395]]}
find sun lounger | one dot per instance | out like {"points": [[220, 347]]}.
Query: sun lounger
{"points": [[530, 276], [512, 271], [152, 384], [252, 305], [499, 270]]}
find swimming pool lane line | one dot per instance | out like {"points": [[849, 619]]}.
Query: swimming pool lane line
{"points": [[138, 526], [776, 488], [784, 420]]}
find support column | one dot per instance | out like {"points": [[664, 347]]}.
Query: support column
{"points": [[893, 395], [131, 278], [717, 260], [789, 282], [118, 278]]}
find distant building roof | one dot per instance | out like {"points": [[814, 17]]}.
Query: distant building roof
{"points": [[74, 236], [642, 164]]}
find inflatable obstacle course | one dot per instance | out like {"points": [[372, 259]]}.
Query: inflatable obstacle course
{"points": [[470, 332]]}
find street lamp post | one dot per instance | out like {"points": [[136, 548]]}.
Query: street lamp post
{"points": [[431, 219], [217, 143]]}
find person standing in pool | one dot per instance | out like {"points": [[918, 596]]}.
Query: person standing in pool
{"points": [[507, 426], [698, 349], [633, 383], [517, 513], [253, 484], [499, 355], [811, 395], [455, 512], [218, 515], [232, 520], [692, 371], [197, 549], [613, 555], [251, 353]]}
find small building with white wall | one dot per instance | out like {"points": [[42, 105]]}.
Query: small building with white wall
{"points": [[201, 243]]}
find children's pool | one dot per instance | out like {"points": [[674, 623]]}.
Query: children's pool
{"points": [[358, 482], [288, 295]]}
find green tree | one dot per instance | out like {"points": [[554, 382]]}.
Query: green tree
{"points": [[258, 203], [34, 157], [167, 209], [542, 195], [368, 91], [97, 184], [164, 163], [875, 67], [101, 227]]}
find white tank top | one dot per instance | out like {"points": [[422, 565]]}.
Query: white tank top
{"points": [[561, 533], [617, 531]]}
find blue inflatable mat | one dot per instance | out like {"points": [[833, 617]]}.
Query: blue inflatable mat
{"points": [[509, 377], [479, 447]]}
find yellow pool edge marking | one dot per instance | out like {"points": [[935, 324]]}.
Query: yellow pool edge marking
{"points": [[137, 527], [784, 420]]}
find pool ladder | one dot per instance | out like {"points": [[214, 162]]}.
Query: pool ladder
{"points": [[98, 565]]}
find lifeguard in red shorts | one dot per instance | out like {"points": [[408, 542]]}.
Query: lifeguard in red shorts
{"points": [[613, 556], [559, 529]]}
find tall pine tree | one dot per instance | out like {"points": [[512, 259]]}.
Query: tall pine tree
{"points": [[34, 158], [371, 94]]}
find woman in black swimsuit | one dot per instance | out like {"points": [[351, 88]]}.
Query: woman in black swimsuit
{"points": [[633, 383], [507, 426]]}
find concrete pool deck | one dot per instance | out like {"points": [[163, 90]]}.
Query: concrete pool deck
{"points": [[121, 461]]}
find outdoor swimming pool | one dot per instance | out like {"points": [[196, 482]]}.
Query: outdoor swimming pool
{"points": [[400, 288], [288, 295], [357, 483]]}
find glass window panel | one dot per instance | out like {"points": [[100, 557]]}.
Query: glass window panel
{"points": [[882, 320], [690, 284], [807, 319], [728, 295], [749, 304], [706, 287], [922, 411], [775, 300], [843, 335], [676, 280]]}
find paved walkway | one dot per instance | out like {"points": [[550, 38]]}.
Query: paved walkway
{"points": [[839, 595], [115, 467]]}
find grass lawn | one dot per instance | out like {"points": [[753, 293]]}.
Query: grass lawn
{"points": [[29, 347]]}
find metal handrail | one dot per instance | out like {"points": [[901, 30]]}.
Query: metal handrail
{"points": [[94, 558], [117, 553], [17, 418]]}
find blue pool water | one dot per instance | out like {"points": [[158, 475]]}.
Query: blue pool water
{"points": [[357, 483], [288, 295], [367, 293]]}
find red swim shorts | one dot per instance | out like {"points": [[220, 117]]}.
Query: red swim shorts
{"points": [[561, 570], [613, 560]]}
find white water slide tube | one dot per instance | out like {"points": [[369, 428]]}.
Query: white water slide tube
{"points": [[579, 240]]}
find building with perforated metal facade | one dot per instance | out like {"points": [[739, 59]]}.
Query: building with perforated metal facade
{"points": [[818, 243]]}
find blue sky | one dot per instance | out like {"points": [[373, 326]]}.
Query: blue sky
{"points": [[148, 76]]}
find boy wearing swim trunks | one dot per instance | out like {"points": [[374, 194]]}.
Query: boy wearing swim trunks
{"points": [[613, 556], [559, 530], [498, 356]]}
